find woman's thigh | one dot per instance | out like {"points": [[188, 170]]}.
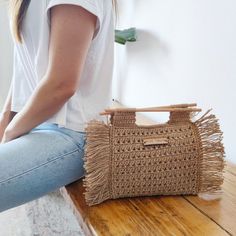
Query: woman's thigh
{"points": [[39, 162]]}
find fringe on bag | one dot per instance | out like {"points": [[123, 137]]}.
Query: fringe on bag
{"points": [[212, 160], [96, 162]]}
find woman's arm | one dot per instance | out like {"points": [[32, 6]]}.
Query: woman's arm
{"points": [[6, 115], [72, 29]]}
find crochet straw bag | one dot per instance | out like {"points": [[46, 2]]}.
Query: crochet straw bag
{"points": [[181, 156]]}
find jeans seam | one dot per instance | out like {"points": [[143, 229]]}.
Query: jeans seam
{"points": [[37, 167]]}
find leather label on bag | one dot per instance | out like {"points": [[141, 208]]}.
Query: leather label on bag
{"points": [[152, 141]]}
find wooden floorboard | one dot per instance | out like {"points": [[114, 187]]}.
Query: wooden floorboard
{"points": [[221, 211], [231, 168], [137, 216]]}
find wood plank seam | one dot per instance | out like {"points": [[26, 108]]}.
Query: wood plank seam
{"points": [[208, 216], [231, 172]]}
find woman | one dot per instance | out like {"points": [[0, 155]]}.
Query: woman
{"points": [[63, 64]]}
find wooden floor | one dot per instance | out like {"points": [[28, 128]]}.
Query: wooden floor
{"points": [[158, 215], [188, 215]]}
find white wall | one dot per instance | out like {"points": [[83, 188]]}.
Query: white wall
{"points": [[6, 53], [186, 52]]}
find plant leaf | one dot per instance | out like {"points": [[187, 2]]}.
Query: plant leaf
{"points": [[122, 36]]}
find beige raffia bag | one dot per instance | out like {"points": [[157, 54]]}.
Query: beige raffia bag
{"points": [[181, 156]]}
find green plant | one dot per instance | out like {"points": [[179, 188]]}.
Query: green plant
{"points": [[122, 36]]}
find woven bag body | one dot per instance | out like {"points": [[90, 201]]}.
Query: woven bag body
{"points": [[123, 159]]}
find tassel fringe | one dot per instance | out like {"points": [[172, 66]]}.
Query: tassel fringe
{"points": [[212, 160], [96, 162]]}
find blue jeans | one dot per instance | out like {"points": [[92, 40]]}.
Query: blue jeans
{"points": [[45, 159]]}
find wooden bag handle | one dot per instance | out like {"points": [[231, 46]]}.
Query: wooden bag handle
{"points": [[176, 107]]}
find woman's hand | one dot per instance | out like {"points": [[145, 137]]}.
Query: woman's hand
{"points": [[3, 125], [7, 136], [12, 131], [5, 119]]}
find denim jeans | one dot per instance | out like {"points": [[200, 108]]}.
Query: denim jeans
{"points": [[41, 161]]}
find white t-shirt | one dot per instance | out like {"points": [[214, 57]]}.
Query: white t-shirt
{"points": [[31, 60]]}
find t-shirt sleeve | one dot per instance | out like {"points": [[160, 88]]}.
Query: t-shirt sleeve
{"points": [[93, 6]]}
